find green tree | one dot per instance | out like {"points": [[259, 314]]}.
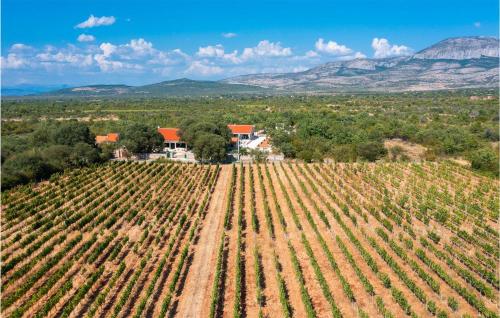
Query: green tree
{"points": [[84, 154], [107, 150], [210, 148], [485, 159], [191, 129], [287, 149], [140, 138], [58, 156], [372, 150], [71, 133], [209, 140], [25, 167]]}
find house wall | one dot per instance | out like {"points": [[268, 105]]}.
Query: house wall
{"points": [[174, 145], [244, 136]]}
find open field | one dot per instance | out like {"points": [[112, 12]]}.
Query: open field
{"points": [[278, 240]]}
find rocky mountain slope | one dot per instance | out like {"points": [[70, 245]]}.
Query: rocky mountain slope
{"points": [[466, 62], [461, 48]]}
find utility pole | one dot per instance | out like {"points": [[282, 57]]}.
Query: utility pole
{"points": [[238, 143]]}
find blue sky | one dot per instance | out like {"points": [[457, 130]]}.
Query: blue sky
{"points": [[77, 42]]}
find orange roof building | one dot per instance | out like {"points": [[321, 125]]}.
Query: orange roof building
{"points": [[242, 132], [171, 138], [111, 137], [170, 134], [242, 129]]}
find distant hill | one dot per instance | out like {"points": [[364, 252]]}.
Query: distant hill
{"points": [[92, 90], [187, 87], [466, 62], [455, 63], [176, 88]]}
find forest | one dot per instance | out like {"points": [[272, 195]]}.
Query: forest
{"points": [[45, 136]]}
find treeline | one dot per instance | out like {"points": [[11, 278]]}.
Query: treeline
{"points": [[52, 147], [310, 128]]}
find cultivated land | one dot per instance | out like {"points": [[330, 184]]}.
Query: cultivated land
{"points": [[277, 240]]}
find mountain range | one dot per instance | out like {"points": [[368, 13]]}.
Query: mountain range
{"points": [[454, 63], [466, 62]]}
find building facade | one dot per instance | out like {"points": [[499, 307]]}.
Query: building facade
{"points": [[171, 139]]}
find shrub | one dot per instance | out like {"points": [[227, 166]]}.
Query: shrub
{"points": [[453, 303]]}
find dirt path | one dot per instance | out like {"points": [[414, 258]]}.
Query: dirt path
{"points": [[195, 301], [271, 306]]}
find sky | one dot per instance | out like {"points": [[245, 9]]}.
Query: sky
{"points": [[82, 42]]}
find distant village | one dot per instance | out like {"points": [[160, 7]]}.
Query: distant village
{"points": [[245, 141]]}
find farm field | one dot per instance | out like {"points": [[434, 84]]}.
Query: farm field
{"points": [[264, 240]]}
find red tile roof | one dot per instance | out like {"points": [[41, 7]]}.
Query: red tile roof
{"points": [[234, 140], [241, 129], [99, 139], [170, 134], [113, 137]]}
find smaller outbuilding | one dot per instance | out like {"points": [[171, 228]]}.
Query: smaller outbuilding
{"points": [[111, 137]]}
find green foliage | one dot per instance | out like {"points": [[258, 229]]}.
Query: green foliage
{"points": [[51, 148], [209, 139], [141, 138], [431, 307], [486, 160], [434, 237], [452, 303], [371, 151], [210, 148], [71, 133], [25, 167]]}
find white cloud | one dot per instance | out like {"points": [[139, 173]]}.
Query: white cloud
{"points": [[107, 49], [201, 68], [174, 57], [13, 61], [85, 38], [98, 61], [140, 46], [382, 48], [357, 55], [331, 47], [65, 57], [477, 24], [93, 21], [217, 51], [20, 47], [211, 51], [229, 35], [312, 54], [107, 65], [266, 49]]}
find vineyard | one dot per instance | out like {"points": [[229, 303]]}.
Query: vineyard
{"points": [[262, 240]]}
